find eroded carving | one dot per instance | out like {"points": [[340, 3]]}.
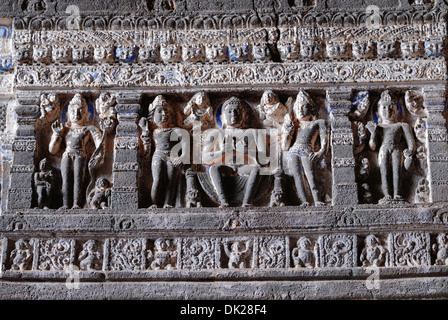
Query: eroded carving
{"points": [[127, 254], [99, 197], [238, 252], [165, 162], [165, 255], [440, 249], [304, 256], [55, 254], [90, 257], [374, 254], [43, 182], [22, 255]]}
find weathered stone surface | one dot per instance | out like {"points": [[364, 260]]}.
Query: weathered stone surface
{"points": [[183, 149]]}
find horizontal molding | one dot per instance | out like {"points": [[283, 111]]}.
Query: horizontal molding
{"points": [[232, 75]]}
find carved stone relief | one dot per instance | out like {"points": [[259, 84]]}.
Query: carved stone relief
{"points": [[257, 138]]}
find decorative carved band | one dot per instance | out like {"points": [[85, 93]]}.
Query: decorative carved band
{"points": [[343, 162], [130, 166], [155, 75], [335, 251]]}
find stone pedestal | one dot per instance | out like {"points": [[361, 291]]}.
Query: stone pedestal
{"points": [[436, 140], [125, 167], [23, 147], [345, 191]]}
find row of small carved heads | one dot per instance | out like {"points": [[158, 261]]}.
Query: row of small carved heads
{"points": [[169, 53], [164, 253]]}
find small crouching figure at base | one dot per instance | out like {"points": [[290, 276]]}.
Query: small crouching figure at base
{"points": [[43, 182]]}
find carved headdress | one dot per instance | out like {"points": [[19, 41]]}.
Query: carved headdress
{"points": [[76, 101], [264, 97], [158, 101], [385, 99], [304, 98]]}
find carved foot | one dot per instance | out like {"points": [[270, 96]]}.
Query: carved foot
{"points": [[167, 206], [154, 206], [64, 207], [305, 204], [385, 200], [46, 208], [76, 207], [247, 205], [224, 205], [319, 204]]}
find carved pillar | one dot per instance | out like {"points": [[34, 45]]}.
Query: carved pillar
{"points": [[125, 168], [23, 148], [345, 190], [436, 140]]}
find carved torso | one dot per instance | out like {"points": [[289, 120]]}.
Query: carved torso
{"points": [[392, 135], [162, 139], [306, 137], [76, 138]]}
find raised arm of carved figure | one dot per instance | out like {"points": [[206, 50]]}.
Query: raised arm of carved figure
{"points": [[56, 138], [372, 127], [362, 257], [144, 124], [287, 132]]}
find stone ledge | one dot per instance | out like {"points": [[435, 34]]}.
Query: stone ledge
{"points": [[409, 288], [287, 274], [223, 221]]}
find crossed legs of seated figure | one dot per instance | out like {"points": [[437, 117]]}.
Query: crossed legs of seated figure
{"points": [[253, 172]]}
